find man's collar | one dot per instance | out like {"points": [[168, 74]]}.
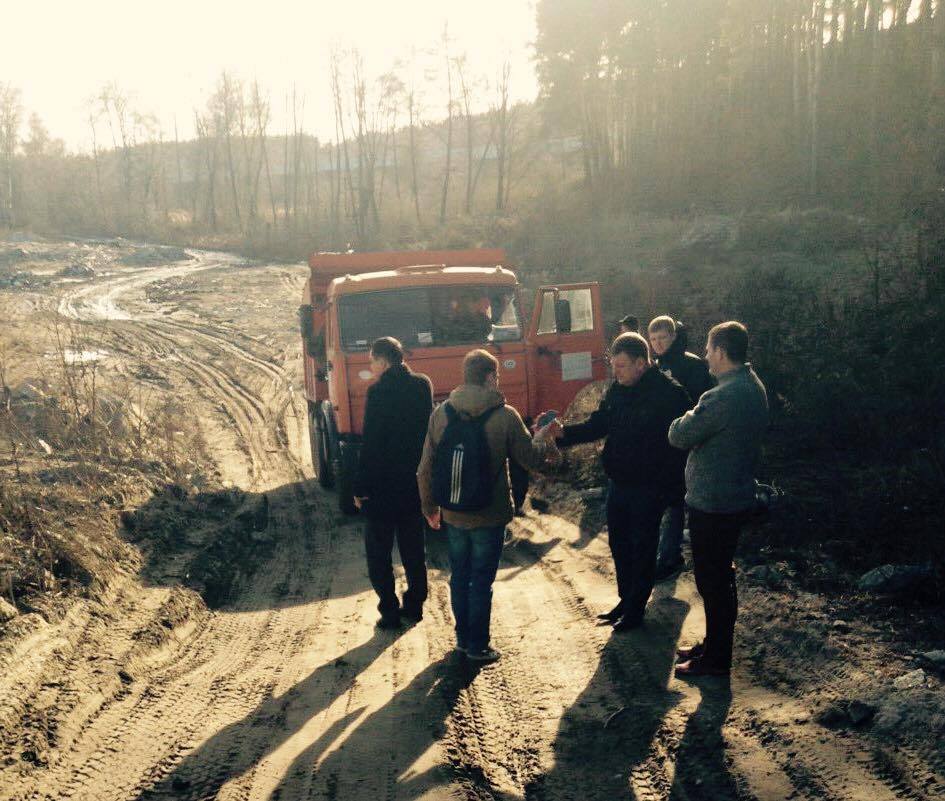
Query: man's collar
{"points": [[732, 374]]}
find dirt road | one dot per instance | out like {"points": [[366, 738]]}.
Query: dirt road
{"points": [[289, 692]]}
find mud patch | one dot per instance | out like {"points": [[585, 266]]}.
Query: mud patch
{"points": [[210, 541]]}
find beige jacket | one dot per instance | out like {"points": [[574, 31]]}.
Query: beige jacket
{"points": [[508, 438]]}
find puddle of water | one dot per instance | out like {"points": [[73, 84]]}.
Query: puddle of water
{"points": [[84, 356]]}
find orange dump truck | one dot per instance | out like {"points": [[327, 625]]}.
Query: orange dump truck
{"points": [[440, 305]]}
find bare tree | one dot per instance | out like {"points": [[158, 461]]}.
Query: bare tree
{"points": [[448, 166], [412, 101], [11, 112], [341, 138], [474, 163], [97, 164], [207, 142], [115, 107], [226, 107], [503, 119]]}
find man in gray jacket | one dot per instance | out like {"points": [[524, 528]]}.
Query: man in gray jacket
{"points": [[723, 435]]}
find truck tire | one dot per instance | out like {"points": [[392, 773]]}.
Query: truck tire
{"points": [[326, 476], [318, 443], [346, 464]]}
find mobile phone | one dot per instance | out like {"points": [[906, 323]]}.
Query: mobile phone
{"points": [[546, 417]]}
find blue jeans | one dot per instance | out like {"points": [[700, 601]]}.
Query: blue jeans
{"points": [[474, 561], [671, 537]]}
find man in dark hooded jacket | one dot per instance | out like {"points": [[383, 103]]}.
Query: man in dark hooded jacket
{"points": [[645, 475], [668, 341], [398, 409]]}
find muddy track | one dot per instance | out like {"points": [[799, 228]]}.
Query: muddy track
{"points": [[290, 692]]}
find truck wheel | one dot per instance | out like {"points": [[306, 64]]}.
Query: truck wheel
{"points": [[318, 444], [326, 476], [346, 464]]}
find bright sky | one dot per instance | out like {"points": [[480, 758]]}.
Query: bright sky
{"points": [[169, 54]]}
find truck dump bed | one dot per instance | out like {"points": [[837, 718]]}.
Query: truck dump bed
{"points": [[325, 267]]}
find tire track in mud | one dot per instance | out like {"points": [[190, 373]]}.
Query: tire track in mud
{"points": [[290, 694], [154, 722], [207, 680]]}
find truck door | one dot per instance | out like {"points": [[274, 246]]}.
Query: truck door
{"points": [[565, 345]]}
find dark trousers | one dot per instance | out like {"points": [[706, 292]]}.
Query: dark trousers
{"points": [[714, 538], [633, 525], [379, 535]]}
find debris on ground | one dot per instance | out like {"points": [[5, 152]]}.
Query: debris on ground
{"points": [[910, 680], [893, 579]]}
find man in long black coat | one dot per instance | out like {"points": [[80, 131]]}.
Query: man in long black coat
{"points": [[398, 411]]}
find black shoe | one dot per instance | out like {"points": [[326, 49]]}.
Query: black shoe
{"points": [[628, 623], [613, 615], [668, 571], [694, 652], [700, 667], [411, 610], [388, 622]]}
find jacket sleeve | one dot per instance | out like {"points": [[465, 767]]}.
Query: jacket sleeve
{"points": [[425, 470], [699, 424], [372, 444], [595, 427], [522, 449], [704, 381]]}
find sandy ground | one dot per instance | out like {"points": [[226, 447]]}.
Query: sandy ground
{"points": [[289, 692]]}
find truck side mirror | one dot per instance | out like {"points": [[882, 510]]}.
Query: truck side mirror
{"points": [[307, 328], [563, 316]]}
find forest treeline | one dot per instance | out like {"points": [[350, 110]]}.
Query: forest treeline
{"points": [[667, 107], [739, 102], [778, 161], [397, 165]]}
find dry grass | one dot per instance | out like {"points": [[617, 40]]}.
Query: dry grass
{"points": [[77, 446]]}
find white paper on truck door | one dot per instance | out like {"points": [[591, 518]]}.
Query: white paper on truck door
{"points": [[576, 366]]}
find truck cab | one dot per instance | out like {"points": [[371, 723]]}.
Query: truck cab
{"points": [[440, 305]]}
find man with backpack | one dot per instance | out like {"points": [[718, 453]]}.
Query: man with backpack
{"points": [[646, 474], [464, 484], [398, 408]]}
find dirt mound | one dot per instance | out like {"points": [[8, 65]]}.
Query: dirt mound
{"points": [[152, 256]]}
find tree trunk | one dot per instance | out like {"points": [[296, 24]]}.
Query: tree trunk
{"points": [[412, 140], [817, 45]]}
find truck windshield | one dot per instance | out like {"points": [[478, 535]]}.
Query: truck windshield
{"points": [[430, 316]]}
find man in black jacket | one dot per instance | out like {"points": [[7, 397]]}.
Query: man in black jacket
{"points": [[668, 341], [646, 474], [398, 411]]}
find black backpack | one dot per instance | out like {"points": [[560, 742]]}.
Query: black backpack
{"points": [[462, 464]]}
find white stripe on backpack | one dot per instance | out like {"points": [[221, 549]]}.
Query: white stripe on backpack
{"points": [[456, 484]]}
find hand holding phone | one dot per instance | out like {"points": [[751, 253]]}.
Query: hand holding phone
{"points": [[546, 417]]}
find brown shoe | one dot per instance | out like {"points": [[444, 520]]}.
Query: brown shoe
{"points": [[698, 667], [693, 652]]}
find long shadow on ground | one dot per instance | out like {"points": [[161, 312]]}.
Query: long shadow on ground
{"points": [[607, 735], [382, 752], [238, 747], [215, 541]]}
